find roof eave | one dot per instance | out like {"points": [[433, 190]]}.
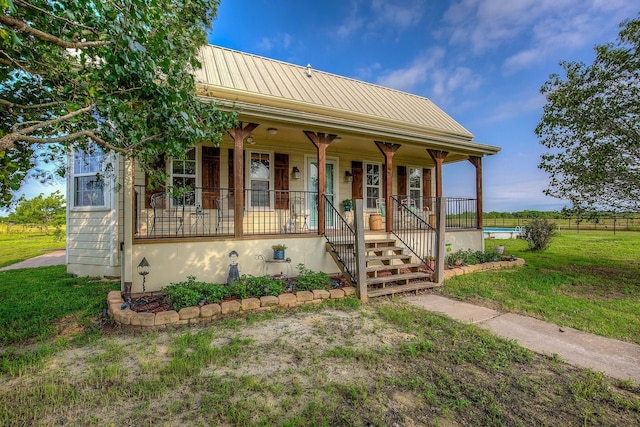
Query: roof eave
{"points": [[299, 113]]}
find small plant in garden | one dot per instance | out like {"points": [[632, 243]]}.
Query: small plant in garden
{"points": [[308, 279], [470, 257], [191, 292], [538, 233], [257, 286]]}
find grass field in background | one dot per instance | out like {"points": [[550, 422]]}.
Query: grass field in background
{"points": [[587, 280], [18, 243]]}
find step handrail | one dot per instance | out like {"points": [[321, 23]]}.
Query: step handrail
{"points": [[342, 239], [414, 232]]}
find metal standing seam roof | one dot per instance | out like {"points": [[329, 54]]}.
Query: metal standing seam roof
{"points": [[230, 69]]}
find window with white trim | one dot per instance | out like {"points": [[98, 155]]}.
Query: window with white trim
{"points": [[415, 186], [260, 179], [372, 184], [183, 176], [88, 183]]}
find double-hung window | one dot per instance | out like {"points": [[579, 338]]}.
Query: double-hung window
{"points": [[88, 184], [260, 177], [183, 177], [415, 187], [372, 184]]}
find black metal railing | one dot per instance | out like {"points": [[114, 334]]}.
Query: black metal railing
{"points": [[411, 227], [342, 238], [210, 212], [461, 213]]}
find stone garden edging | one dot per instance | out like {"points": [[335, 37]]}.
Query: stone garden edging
{"points": [[486, 266], [209, 312]]}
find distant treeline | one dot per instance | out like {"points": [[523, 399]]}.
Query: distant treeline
{"points": [[593, 216]]}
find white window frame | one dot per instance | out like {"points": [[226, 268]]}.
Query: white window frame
{"points": [[366, 186], [84, 157], [269, 180], [195, 175], [416, 200]]}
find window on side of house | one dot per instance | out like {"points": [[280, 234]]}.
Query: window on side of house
{"points": [[372, 184], [183, 176], [415, 186], [88, 183], [260, 180]]}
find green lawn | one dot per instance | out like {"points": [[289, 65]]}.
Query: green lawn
{"points": [[589, 281], [18, 247], [340, 363]]}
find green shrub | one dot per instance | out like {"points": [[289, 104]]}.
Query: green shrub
{"points": [[191, 292], [308, 280], [470, 257], [538, 233], [258, 286]]}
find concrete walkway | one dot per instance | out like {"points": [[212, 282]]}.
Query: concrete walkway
{"points": [[615, 358], [52, 258]]}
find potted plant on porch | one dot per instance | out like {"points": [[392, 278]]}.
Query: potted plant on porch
{"points": [[278, 251], [347, 205]]}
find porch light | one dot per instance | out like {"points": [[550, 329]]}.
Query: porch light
{"points": [[348, 177], [272, 131], [296, 172], [143, 270], [250, 140]]}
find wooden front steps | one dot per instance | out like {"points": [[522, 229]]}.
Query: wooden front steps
{"points": [[390, 269]]}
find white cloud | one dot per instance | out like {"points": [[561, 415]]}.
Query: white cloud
{"points": [[535, 29], [382, 16], [279, 41], [399, 14], [512, 108], [429, 76]]}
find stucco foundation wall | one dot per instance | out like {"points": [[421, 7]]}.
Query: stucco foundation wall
{"points": [[209, 261], [465, 239]]}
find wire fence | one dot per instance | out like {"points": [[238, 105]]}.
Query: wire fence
{"points": [[611, 224]]}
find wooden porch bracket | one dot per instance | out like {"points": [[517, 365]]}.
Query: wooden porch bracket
{"points": [[321, 141], [238, 134], [438, 156], [476, 161], [388, 149]]}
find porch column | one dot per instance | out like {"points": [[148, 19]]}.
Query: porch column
{"points": [[238, 134], [129, 229], [321, 142], [438, 157], [476, 161], [388, 150]]}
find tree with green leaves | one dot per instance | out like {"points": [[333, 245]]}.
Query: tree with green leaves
{"points": [[591, 125], [41, 211], [116, 73]]}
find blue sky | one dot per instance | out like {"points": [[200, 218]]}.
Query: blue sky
{"points": [[481, 61]]}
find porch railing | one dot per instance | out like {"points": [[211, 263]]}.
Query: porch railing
{"points": [[461, 213], [342, 238], [411, 227], [210, 212]]}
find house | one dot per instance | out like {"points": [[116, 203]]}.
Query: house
{"points": [[306, 140]]}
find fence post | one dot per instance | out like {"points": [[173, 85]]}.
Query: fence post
{"points": [[361, 263], [440, 237]]}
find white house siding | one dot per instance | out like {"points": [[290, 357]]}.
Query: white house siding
{"points": [[92, 243]]}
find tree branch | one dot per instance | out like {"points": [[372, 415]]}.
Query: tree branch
{"points": [[8, 141], [11, 105], [61, 18], [23, 27]]}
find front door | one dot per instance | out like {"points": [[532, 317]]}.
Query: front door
{"points": [[312, 185]]}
